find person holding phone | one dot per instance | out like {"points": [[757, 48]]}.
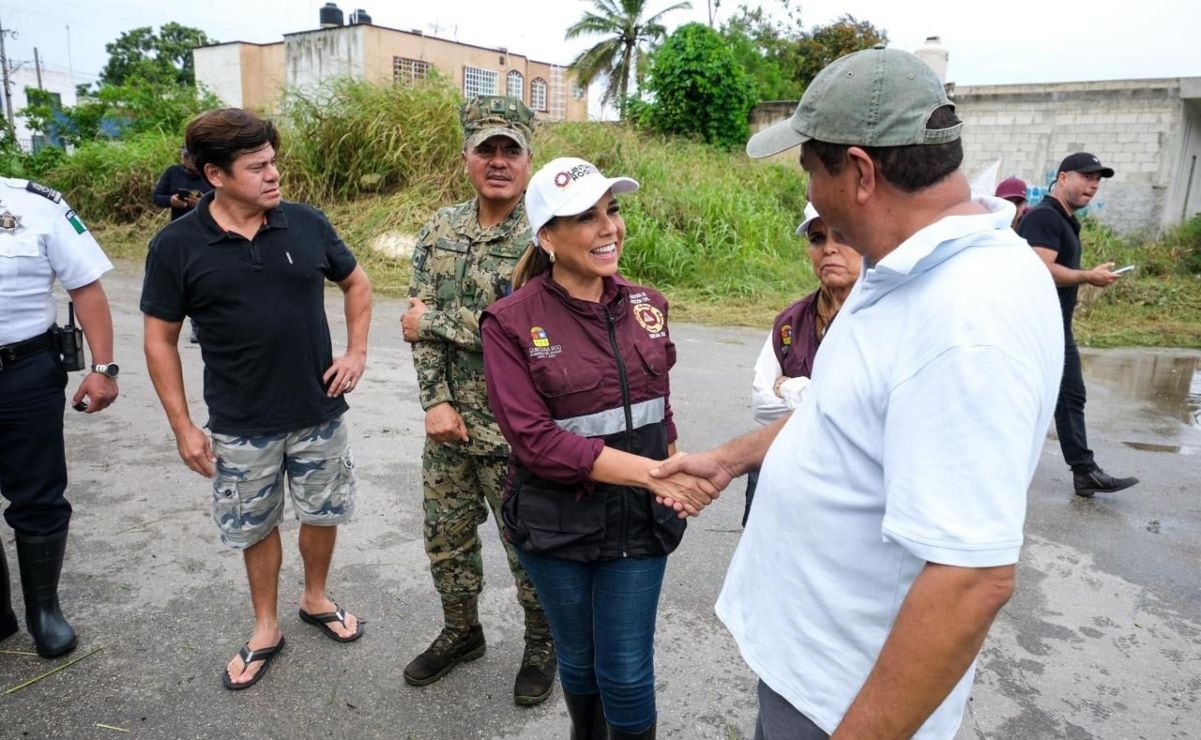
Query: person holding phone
{"points": [[1053, 230], [180, 188]]}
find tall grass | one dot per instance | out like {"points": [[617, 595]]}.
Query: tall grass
{"points": [[114, 181], [1158, 303], [351, 138], [704, 220]]}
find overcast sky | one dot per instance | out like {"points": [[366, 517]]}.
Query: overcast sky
{"points": [[1001, 42]]}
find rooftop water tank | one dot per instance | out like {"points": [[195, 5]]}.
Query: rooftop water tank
{"points": [[935, 55], [360, 17], [331, 15]]}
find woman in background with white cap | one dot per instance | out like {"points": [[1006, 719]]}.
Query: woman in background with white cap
{"points": [[577, 362], [785, 363]]}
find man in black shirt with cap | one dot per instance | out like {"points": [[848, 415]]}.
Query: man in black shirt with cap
{"points": [[1054, 231]]}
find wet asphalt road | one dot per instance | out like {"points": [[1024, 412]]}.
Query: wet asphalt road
{"points": [[1102, 639]]}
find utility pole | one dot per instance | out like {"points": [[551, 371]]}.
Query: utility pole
{"points": [[8, 93], [37, 65]]}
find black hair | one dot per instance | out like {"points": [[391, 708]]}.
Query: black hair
{"points": [[909, 168], [218, 137]]}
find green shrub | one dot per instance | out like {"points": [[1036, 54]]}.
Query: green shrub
{"points": [[699, 88], [114, 181]]}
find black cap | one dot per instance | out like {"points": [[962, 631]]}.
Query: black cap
{"points": [[1085, 163]]}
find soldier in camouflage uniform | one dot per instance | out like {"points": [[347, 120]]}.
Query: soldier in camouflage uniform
{"points": [[463, 261]]}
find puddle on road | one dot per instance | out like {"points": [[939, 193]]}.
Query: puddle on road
{"points": [[1149, 447], [1149, 400], [1171, 384]]}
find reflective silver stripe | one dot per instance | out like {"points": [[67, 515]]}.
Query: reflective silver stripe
{"points": [[613, 421]]}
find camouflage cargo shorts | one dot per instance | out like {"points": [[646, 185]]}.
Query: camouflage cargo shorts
{"points": [[315, 464]]}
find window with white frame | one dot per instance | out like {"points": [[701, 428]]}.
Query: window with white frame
{"points": [[409, 70], [478, 81], [577, 91], [515, 85], [538, 94]]}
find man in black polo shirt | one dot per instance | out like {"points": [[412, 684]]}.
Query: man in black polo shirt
{"points": [[1053, 230], [252, 269]]}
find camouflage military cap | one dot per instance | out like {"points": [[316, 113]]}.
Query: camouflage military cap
{"points": [[485, 116]]}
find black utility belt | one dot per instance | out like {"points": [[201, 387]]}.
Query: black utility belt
{"points": [[11, 354]]}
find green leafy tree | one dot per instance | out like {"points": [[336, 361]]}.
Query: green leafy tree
{"points": [[699, 88], [117, 110], [765, 46], [781, 57], [824, 44], [164, 58], [629, 38]]}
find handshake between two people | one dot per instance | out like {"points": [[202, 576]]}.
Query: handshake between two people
{"points": [[689, 482]]}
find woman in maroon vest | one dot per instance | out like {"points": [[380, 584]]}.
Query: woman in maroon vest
{"points": [[785, 364], [577, 361]]}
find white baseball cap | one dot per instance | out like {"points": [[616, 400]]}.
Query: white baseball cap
{"points": [[567, 186], [810, 214]]}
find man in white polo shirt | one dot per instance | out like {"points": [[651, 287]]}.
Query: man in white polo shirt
{"points": [[889, 512]]}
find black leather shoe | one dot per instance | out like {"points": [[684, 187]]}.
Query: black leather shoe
{"points": [[537, 675], [447, 651], [41, 561], [1098, 481]]}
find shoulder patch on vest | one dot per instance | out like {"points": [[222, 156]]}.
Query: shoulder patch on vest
{"points": [[47, 193]]}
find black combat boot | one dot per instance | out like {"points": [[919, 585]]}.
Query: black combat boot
{"points": [[8, 620], [647, 734], [587, 716], [41, 561], [461, 640], [536, 677]]}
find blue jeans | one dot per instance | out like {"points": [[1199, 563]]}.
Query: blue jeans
{"points": [[602, 616]]}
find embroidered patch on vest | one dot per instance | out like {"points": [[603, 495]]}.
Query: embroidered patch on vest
{"points": [[650, 318]]}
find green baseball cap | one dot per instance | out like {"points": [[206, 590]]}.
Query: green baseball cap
{"points": [[485, 116], [874, 97]]}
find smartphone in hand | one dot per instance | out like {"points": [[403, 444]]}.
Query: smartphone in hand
{"points": [[1124, 270]]}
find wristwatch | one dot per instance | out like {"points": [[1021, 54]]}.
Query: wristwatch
{"points": [[110, 369]]}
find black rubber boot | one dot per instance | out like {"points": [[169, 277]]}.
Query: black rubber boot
{"points": [[8, 620], [647, 734], [41, 562], [587, 716]]}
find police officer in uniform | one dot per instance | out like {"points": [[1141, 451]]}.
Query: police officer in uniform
{"points": [[41, 240], [463, 261]]}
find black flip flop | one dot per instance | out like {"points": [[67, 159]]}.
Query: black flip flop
{"points": [[323, 621], [249, 656]]}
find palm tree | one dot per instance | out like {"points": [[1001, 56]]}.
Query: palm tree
{"points": [[621, 54]]}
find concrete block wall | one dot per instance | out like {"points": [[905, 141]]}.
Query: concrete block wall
{"points": [[1131, 125]]}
